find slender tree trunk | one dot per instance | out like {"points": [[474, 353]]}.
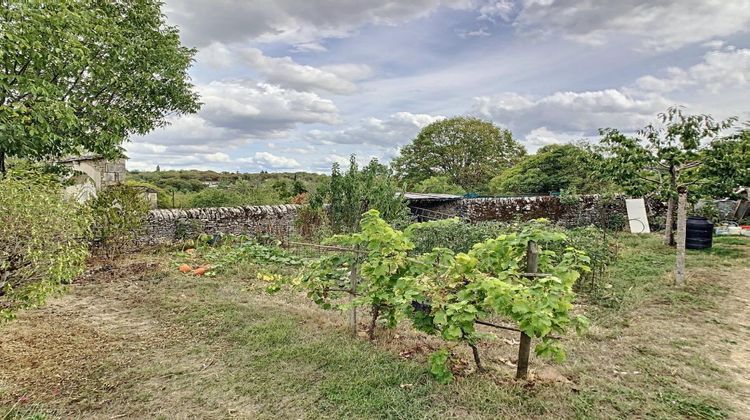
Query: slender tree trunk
{"points": [[679, 272], [669, 222], [669, 228], [373, 321], [2, 162], [475, 352]]}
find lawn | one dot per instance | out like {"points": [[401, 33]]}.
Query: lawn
{"points": [[137, 339]]}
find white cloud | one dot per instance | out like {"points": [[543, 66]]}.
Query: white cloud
{"points": [[268, 160], [497, 8], [309, 47], [395, 130], [217, 157], [719, 70], [542, 136], [293, 21], [236, 112], [262, 109], [658, 24], [286, 72], [570, 111]]}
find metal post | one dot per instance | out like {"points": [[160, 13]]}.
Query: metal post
{"points": [[524, 349]]}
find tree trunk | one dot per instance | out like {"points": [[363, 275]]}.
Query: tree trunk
{"points": [[373, 321], [2, 162], [669, 228], [478, 361], [679, 272], [668, 235]]}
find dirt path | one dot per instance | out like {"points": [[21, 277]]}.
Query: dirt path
{"points": [[737, 308]]}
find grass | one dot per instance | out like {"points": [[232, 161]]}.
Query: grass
{"points": [[144, 341]]}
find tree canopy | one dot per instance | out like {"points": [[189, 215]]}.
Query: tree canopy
{"points": [[84, 75], [439, 185], [726, 165], [467, 150], [663, 157], [552, 168]]}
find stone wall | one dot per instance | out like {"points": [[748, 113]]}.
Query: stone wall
{"points": [[167, 225], [586, 210]]}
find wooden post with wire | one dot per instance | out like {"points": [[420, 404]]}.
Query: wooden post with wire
{"points": [[353, 279], [524, 349]]}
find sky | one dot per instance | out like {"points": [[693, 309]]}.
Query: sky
{"points": [[293, 85]]}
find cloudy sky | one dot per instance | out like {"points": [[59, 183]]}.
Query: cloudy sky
{"points": [[299, 84]]}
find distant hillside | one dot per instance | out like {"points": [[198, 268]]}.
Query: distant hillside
{"points": [[194, 188]]}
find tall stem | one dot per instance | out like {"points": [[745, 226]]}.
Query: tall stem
{"points": [[475, 352], [373, 321], [669, 229], [679, 278]]}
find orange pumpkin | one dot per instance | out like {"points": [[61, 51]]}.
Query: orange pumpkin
{"points": [[184, 268]]}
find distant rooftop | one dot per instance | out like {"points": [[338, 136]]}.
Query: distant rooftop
{"points": [[81, 158], [412, 196]]}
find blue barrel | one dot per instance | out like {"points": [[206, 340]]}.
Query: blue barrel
{"points": [[699, 233]]}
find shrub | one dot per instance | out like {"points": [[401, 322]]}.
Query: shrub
{"points": [[215, 197], [119, 214], [43, 239], [453, 234], [310, 223], [350, 194], [439, 185]]}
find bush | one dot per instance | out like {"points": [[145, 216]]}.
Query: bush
{"points": [[439, 185], [350, 194], [119, 214], [459, 236], [453, 234], [215, 197], [43, 239]]}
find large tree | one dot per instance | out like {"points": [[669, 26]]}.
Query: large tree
{"points": [[662, 158], [553, 168], [467, 150], [84, 75]]}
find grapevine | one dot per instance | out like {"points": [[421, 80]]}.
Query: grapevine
{"points": [[446, 293]]}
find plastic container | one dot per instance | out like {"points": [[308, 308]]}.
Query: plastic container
{"points": [[699, 233]]}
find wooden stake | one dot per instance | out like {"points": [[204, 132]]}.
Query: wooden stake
{"points": [[679, 271], [524, 349], [353, 312]]}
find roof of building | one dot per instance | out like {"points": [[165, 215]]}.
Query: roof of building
{"points": [[412, 196], [81, 158]]}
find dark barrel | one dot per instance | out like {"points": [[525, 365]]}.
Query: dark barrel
{"points": [[699, 233]]}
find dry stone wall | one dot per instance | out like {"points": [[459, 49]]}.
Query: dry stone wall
{"points": [[581, 211], [168, 225]]}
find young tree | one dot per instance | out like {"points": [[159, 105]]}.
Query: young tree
{"points": [[662, 157], [86, 74], [467, 150], [356, 191], [726, 165], [554, 167]]}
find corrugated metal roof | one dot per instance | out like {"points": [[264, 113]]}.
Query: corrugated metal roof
{"points": [[411, 196]]}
